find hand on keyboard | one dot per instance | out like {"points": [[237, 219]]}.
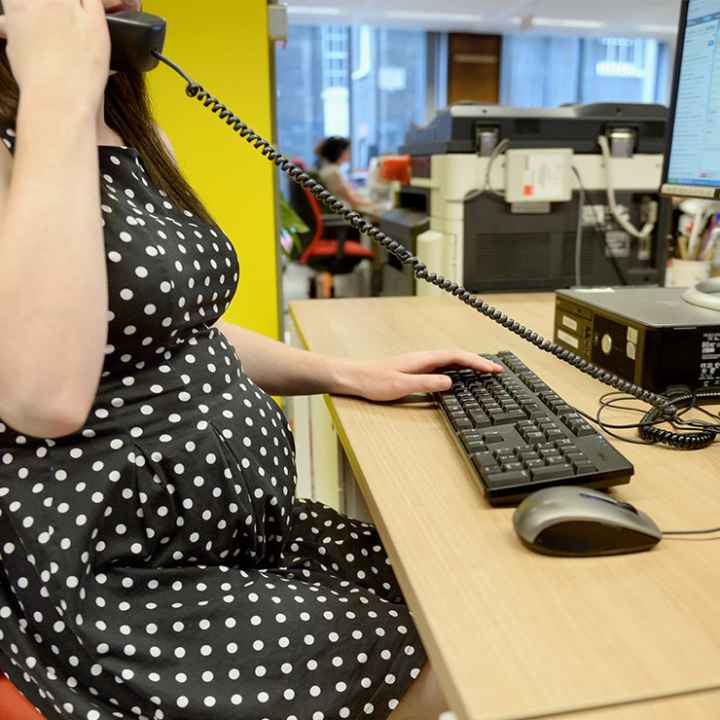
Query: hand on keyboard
{"points": [[396, 377]]}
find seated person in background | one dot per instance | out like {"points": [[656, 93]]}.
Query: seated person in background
{"points": [[332, 154]]}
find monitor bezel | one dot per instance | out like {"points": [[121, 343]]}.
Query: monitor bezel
{"points": [[668, 189]]}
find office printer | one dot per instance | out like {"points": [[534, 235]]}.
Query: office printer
{"points": [[513, 194]]}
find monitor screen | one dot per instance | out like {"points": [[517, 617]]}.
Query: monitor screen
{"points": [[694, 148]]}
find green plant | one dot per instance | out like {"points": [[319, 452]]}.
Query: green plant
{"points": [[291, 228]]}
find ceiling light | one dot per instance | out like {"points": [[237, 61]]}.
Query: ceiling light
{"points": [[432, 16], [663, 29], [314, 10], [557, 22]]}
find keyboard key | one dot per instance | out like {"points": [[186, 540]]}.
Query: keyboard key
{"points": [[492, 438], [585, 430], [475, 446], [516, 477], [552, 472], [554, 434], [479, 419], [575, 454], [584, 468], [527, 456], [555, 460], [530, 464], [507, 417], [534, 437], [483, 459], [509, 467], [461, 422]]}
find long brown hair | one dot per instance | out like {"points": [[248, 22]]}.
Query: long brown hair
{"points": [[128, 112]]}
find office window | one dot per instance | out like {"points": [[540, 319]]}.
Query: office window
{"points": [[389, 85], [363, 82], [549, 71]]}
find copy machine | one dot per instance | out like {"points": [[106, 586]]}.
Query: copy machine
{"points": [[536, 199]]}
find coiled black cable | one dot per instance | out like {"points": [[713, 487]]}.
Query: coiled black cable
{"points": [[681, 398], [353, 218]]}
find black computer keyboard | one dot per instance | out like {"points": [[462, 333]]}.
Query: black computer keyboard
{"points": [[519, 436]]}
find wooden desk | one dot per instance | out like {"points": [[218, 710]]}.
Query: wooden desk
{"points": [[510, 633]]}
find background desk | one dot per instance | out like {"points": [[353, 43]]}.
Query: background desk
{"points": [[513, 634]]}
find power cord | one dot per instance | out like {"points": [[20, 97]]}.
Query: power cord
{"points": [[601, 229], [680, 533], [420, 271], [704, 435], [579, 232], [498, 150], [620, 219], [694, 435]]}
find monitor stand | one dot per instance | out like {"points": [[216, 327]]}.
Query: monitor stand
{"points": [[705, 294]]}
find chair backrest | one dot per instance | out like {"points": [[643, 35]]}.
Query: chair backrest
{"points": [[13, 705], [306, 206]]}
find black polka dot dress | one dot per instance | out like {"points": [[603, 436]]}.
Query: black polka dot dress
{"points": [[156, 565]]}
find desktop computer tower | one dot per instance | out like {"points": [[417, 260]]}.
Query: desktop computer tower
{"points": [[649, 336]]}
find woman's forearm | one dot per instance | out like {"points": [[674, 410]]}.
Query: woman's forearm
{"points": [[282, 370]]}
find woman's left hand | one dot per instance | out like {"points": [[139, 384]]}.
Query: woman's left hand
{"points": [[396, 377]]}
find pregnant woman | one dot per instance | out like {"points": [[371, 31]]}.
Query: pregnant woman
{"points": [[154, 562]]}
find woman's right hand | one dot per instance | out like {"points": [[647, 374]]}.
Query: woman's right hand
{"points": [[59, 47]]}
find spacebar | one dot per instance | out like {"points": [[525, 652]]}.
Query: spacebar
{"points": [[551, 472]]}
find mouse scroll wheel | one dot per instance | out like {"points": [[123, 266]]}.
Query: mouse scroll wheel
{"points": [[628, 506]]}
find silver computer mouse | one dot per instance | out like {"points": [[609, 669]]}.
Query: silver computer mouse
{"points": [[579, 521]]}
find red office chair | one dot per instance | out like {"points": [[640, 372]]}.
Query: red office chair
{"points": [[336, 255], [13, 705]]}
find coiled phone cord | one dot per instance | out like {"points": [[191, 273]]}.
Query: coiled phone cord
{"points": [[194, 90], [681, 398]]}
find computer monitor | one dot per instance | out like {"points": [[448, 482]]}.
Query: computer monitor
{"points": [[692, 160]]}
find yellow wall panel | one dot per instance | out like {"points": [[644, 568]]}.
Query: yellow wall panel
{"points": [[224, 46]]}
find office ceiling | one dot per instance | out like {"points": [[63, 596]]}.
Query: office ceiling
{"points": [[654, 18]]}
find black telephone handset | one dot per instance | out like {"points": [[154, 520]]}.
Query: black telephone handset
{"points": [[136, 37], [137, 43]]}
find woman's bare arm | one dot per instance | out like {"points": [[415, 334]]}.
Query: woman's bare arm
{"points": [[53, 279], [282, 370]]}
